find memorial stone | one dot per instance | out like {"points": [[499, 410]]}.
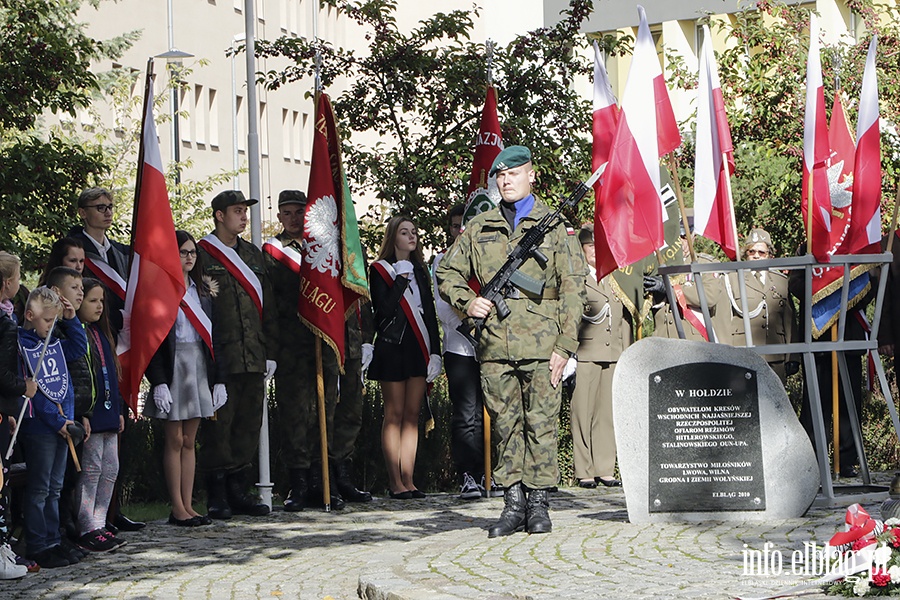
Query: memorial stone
{"points": [[706, 432]]}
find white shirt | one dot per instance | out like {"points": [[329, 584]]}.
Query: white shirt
{"points": [[184, 330], [454, 341], [102, 248]]}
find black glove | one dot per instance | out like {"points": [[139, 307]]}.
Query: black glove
{"points": [[653, 284], [791, 367]]}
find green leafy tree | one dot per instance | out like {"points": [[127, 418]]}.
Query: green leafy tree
{"points": [[44, 67], [424, 90]]}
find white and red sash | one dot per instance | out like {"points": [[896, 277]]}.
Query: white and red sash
{"points": [[286, 255], [105, 273], [191, 308], [235, 265], [688, 314], [413, 316]]}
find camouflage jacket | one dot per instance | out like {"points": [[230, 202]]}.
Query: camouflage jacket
{"points": [[360, 328], [240, 340], [535, 327], [293, 335]]}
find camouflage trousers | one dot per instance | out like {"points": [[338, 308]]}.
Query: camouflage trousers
{"points": [[231, 441], [348, 413], [524, 410], [297, 398]]}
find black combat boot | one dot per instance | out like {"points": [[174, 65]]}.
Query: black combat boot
{"points": [[349, 492], [538, 512], [240, 501], [316, 497], [297, 499], [216, 503], [512, 519]]}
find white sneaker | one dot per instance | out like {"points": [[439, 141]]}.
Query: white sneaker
{"points": [[496, 490], [8, 567], [470, 490]]}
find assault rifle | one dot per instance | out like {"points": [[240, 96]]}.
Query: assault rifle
{"points": [[508, 280]]}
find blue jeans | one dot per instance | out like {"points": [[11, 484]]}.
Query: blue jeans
{"points": [[45, 457]]}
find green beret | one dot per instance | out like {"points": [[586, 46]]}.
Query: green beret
{"points": [[514, 156], [291, 197], [229, 198]]}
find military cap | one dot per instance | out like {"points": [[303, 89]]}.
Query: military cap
{"points": [[586, 234], [756, 236], [229, 198], [291, 197], [514, 156]]}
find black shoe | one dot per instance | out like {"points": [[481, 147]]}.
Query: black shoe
{"points": [[123, 523], [298, 496], [349, 492], [216, 503], [538, 512], [50, 558], [239, 500], [418, 494], [608, 482], [71, 554], [590, 484], [189, 522], [204, 520], [512, 519], [111, 528], [315, 497], [849, 472], [404, 495], [71, 547]]}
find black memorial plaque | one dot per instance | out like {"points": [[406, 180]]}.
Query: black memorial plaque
{"points": [[705, 446]]}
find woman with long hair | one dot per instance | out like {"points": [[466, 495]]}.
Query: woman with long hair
{"points": [[182, 387], [65, 252], [407, 348]]}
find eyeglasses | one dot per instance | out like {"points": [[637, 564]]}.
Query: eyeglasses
{"points": [[101, 208], [757, 252], [187, 253]]}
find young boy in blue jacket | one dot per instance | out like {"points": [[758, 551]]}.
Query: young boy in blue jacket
{"points": [[44, 431]]}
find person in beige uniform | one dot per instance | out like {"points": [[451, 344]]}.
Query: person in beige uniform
{"points": [[769, 306], [605, 332]]}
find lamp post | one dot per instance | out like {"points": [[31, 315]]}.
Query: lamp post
{"points": [[174, 60]]}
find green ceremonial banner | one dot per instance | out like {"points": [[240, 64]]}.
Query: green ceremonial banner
{"points": [[355, 271]]}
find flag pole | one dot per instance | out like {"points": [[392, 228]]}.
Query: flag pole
{"points": [[689, 235], [140, 165], [264, 486], [486, 420]]}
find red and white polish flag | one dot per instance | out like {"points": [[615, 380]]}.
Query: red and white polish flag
{"points": [[155, 282], [714, 163], [865, 219], [629, 209], [816, 152]]}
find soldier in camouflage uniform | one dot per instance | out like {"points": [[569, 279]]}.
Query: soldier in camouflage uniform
{"points": [[295, 381], [231, 440], [348, 414], [522, 357]]}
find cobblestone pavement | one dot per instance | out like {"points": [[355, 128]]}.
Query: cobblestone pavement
{"points": [[438, 549]]}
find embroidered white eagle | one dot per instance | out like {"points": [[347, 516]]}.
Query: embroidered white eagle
{"points": [[321, 245]]}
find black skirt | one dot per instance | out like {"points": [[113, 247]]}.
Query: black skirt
{"points": [[397, 362]]}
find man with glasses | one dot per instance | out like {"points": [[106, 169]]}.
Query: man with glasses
{"points": [[106, 260], [769, 306]]}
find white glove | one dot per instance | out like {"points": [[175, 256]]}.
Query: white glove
{"points": [[367, 351], [569, 369], [434, 368], [271, 365], [220, 396], [163, 398], [403, 268]]}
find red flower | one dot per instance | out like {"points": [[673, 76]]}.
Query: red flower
{"points": [[862, 543], [880, 578], [895, 542]]}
